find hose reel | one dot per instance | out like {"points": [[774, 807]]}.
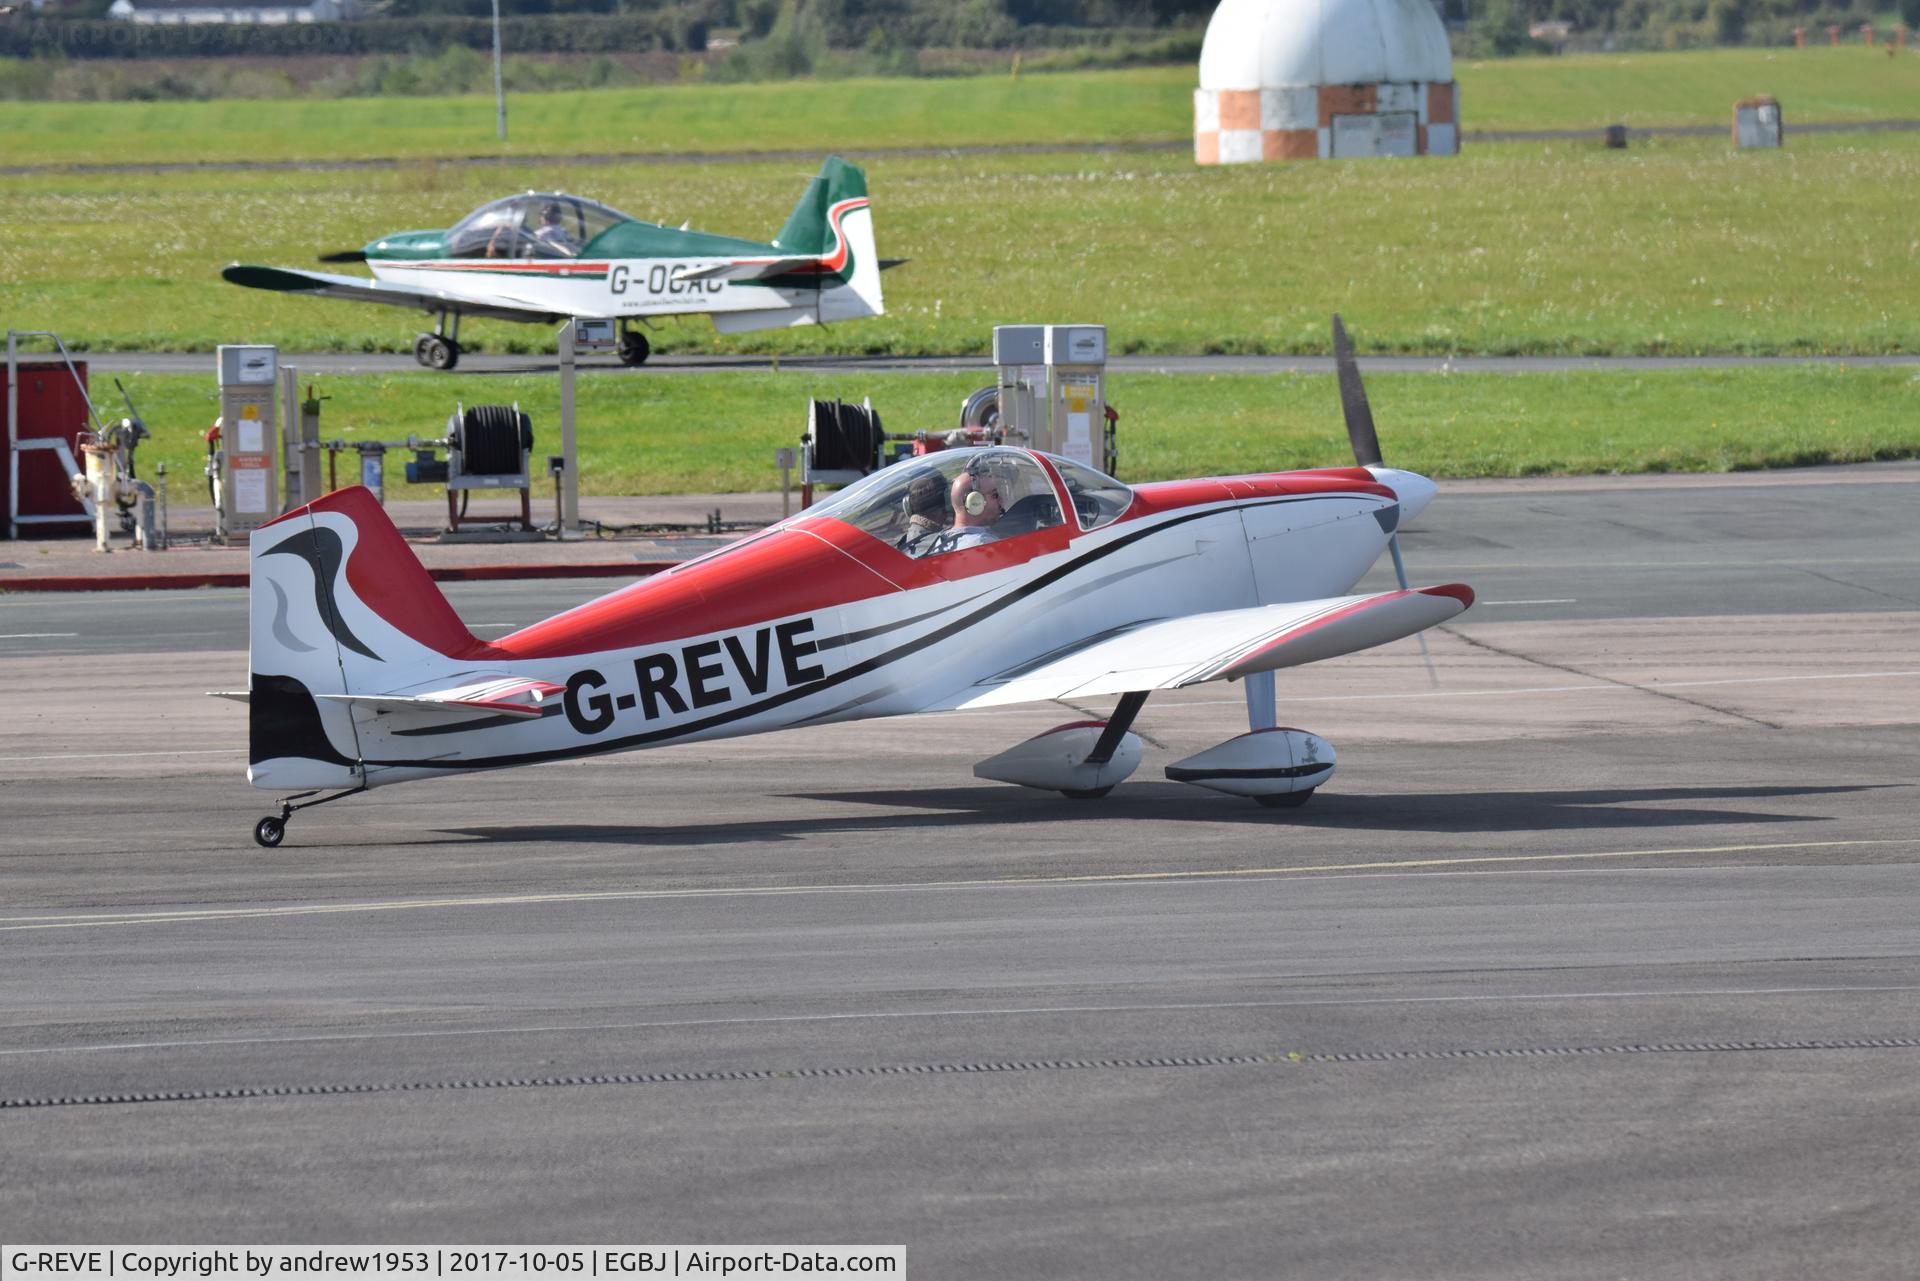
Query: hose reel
{"points": [[487, 448]]}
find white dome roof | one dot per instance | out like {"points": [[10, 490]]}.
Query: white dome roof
{"points": [[1270, 44]]}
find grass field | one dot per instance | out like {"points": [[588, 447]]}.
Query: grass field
{"points": [[634, 435], [1581, 92], [1675, 246]]}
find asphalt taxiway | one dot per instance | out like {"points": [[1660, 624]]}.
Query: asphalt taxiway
{"points": [[1597, 958], [338, 362]]}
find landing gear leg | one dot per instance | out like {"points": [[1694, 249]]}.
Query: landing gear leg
{"points": [[1261, 713], [634, 347], [1117, 726], [439, 349], [272, 829]]}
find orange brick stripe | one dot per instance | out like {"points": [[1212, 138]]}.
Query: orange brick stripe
{"points": [[1346, 100], [1239, 108], [1233, 126], [1290, 144]]}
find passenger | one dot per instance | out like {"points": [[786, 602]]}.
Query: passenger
{"points": [[977, 503], [553, 235], [926, 514]]}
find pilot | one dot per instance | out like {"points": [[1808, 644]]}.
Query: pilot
{"points": [[553, 235], [977, 503], [926, 511]]}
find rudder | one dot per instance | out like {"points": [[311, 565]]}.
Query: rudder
{"points": [[337, 604]]}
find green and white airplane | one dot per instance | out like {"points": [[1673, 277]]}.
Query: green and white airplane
{"points": [[545, 256]]}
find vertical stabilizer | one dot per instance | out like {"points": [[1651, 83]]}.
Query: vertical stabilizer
{"points": [[337, 604]]}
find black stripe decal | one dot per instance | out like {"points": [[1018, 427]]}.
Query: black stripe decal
{"points": [[873, 664], [490, 722], [1179, 775], [320, 547], [854, 638]]}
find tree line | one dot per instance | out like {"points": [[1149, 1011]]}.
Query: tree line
{"points": [[799, 33]]}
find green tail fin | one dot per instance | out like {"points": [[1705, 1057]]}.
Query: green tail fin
{"points": [[806, 231]]}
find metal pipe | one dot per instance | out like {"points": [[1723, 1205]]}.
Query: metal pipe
{"points": [[499, 92], [13, 434], [163, 507], [569, 483], [143, 531]]}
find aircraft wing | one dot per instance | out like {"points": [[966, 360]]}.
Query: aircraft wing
{"points": [[491, 695], [1174, 652], [324, 284]]}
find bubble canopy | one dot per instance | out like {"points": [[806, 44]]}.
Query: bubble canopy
{"points": [[884, 503], [540, 224]]}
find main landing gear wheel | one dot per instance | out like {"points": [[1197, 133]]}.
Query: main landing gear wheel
{"points": [[269, 831], [1286, 800], [1084, 793], [436, 352], [634, 348]]}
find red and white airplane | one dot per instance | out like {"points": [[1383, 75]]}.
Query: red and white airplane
{"points": [[1038, 578]]}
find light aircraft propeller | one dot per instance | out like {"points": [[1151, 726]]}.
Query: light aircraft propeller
{"points": [[1366, 448]]}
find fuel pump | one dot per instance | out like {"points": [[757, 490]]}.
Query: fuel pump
{"points": [[248, 441]]}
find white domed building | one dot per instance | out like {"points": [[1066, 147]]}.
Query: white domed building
{"points": [[1300, 79]]}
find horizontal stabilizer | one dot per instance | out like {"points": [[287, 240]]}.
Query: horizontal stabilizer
{"points": [[1176, 652], [751, 269], [492, 695]]}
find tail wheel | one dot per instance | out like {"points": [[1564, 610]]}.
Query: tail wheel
{"points": [[634, 348]]}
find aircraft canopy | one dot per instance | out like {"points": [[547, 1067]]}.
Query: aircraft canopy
{"points": [[884, 503], [538, 224]]}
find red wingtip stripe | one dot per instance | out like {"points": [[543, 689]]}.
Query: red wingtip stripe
{"points": [[1459, 591]]}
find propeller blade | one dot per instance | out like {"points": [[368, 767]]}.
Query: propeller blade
{"points": [[1353, 399], [345, 255]]}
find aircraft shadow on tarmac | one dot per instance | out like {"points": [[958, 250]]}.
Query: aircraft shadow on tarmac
{"points": [[1592, 809]]}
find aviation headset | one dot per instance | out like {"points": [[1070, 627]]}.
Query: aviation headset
{"points": [[976, 502], [924, 492]]}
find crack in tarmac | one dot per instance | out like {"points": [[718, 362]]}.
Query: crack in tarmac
{"points": [[1610, 680]]}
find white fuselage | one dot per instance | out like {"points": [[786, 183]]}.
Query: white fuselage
{"points": [[882, 652], [591, 287]]}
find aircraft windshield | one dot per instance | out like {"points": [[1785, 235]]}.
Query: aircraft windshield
{"points": [[1098, 499], [958, 498], [536, 225]]}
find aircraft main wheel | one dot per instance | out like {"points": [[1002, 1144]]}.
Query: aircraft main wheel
{"points": [[634, 348], [436, 352], [1286, 800], [269, 831], [1084, 793]]}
